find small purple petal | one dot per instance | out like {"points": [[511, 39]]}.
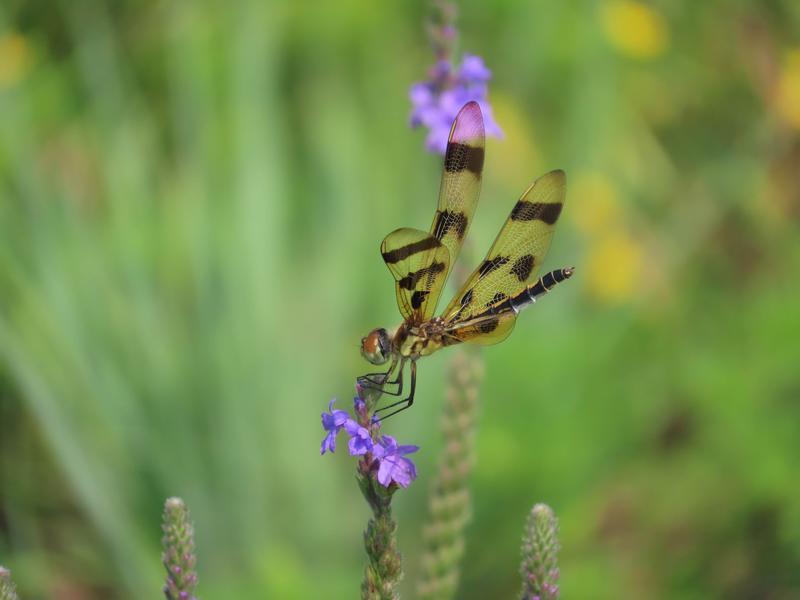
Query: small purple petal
{"points": [[450, 102], [421, 94], [403, 450], [490, 125], [396, 469], [441, 70], [436, 140], [389, 444], [351, 427], [334, 418], [360, 443], [328, 422], [473, 91], [332, 422], [393, 468], [474, 69], [328, 443], [359, 405]]}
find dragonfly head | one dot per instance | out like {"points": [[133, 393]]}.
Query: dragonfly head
{"points": [[376, 347]]}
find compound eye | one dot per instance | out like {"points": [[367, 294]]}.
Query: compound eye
{"points": [[375, 347], [370, 343], [384, 342]]}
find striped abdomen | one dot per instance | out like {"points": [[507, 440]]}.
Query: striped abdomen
{"points": [[532, 292]]}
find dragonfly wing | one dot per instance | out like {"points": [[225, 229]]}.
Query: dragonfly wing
{"points": [[419, 264], [512, 262], [461, 180]]}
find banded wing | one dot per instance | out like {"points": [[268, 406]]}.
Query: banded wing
{"points": [[419, 263], [461, 180], [475, 314]]}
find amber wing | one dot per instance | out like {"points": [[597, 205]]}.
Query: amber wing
{"points": [[419, 263], [461, 180], [511, 264]]}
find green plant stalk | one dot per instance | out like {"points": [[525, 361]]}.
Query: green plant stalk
{"points": [[450, 504], [384, 566]]}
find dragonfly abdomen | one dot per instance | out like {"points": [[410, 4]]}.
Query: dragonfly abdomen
{"points": [[529, 295]]}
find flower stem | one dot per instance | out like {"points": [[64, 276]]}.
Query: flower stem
{"points": [[442, 29], [449, 508], [384, 569]]}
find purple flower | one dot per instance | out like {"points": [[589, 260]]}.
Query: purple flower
{"points": [[360, 439], [441, 70], [360, 406], [436, 102], [474, 69], [386, 455], [394, 467], [332, 422]]}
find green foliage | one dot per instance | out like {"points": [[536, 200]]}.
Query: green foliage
{"points": [[192, 196]]}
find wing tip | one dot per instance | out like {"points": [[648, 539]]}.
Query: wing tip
{"points": [[468, 124], [556, 178], [558, 174]]}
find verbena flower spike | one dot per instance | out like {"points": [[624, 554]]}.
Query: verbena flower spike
{"points": [[7, 589], [178, 557], [539, 568], [449, 86]]}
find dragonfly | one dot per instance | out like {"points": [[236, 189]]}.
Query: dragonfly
{"points": [[485, 309]]}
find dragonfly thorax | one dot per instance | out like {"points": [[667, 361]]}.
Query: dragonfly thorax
{"points": [[413, 341]]}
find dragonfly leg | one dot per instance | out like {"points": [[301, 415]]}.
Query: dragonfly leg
{"points": [[379, 377], [406, 401], [370, 383]]}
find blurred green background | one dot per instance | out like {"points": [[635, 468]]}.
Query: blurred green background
{"points": [[192, 196]]}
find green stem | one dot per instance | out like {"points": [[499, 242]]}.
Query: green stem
{"points": [[384, 569], [449, 504]]}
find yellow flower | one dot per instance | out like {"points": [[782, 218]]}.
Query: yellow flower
{"points": [[614, 267], [515, 157], [599, 202], [635, 28], [788, 92], [14, 59]]}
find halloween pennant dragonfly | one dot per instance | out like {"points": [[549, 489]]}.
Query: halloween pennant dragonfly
{"points": [[486, 307]]}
